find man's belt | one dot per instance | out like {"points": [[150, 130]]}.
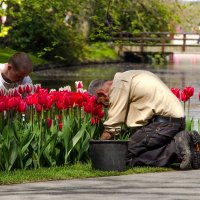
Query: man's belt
{"points": [[168, 119]]}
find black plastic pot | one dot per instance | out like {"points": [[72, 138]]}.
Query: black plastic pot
{"points": [[108, 155]]}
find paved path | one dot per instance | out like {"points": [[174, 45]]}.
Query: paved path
{"points": [[179, 185]]}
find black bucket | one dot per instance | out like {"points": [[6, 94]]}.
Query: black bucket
{"points": [[108, 155]]}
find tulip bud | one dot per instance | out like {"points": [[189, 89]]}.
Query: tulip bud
{"points": [[79, 84], [28, 88], [37, 88], [21, 89], [49, 122]]}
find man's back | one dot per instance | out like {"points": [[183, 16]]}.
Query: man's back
{"points": [[136, 96]]}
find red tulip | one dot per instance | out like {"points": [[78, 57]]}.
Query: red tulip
{"points": [[88, 107], [101, 114], [49, 122], [2, 92], [2, 106], [176, 92], [21, 89], [16, 93], [68, 99], [60, 105], [59, 118], [93, 121], [78, 99], [43, 91], [189, 91], [42, 98], [79, 84], [37, 88], [38, 107], [54, 95], [49, 102], [32, 99], [60, 125], [184, 97], [97, 109], [12, 102], [92, 99], [28, 88], [21, 106]]}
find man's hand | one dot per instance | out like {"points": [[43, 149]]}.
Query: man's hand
{"points": [[107, 136]]}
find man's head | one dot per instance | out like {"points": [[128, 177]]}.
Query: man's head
{"points": [[19, 65], [100, 88]]}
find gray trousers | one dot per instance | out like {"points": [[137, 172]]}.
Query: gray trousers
{"points": [[154, 145]]}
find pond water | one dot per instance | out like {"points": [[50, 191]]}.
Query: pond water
{"points": [[185, 71]]}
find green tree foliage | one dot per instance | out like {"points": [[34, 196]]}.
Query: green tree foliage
{"points": [[189, 15], [131, 16], [38, 27]]}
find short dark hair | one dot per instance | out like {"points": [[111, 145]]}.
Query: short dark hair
{"points": [[94, 85], [21, 61]]}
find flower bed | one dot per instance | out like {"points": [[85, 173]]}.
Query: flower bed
{"points": [[41, 128], [185, 96]]}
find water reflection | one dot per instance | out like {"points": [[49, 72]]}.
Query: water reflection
{"points": [[185, 71]]}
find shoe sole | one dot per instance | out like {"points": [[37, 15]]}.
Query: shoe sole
{"points": [[195, 148], [195, 162], [186, 141]]}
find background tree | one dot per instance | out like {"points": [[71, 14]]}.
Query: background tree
{"points": [[132, 16], [38, 27]]}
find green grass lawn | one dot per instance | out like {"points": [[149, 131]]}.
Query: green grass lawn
{"points": [[79, 171], [6, 53], [100, 52], [97, 52]]}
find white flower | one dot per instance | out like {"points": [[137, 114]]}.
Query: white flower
{"points": [[66, 88]]}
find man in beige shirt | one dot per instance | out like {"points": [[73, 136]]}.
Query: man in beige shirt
{"points": [[140, 99]]}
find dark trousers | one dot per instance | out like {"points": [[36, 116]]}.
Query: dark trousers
{"points": [[153, 144]]}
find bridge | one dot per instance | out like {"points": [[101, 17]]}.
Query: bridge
{"points": [[157, 42]]}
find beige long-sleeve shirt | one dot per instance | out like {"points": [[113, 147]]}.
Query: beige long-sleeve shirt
{"points": [[136, 96]]}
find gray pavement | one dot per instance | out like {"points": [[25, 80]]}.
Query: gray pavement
{"points": [[178, 185]]}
